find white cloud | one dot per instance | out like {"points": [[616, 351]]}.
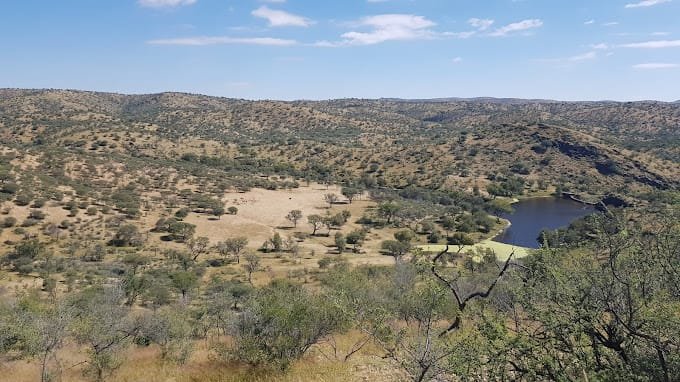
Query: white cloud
{"points": [[165, 3], [222, 40], [658, 44], [517, 27], [656, 65], [583, 57], [600, 46], [388, 27], [589, 22], [279, 18], [646, 3], [457, 60], [461, 35], [611, 24], [572, 59], [481, 24]]}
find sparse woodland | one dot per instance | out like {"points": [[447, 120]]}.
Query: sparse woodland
{"points": [[185, 237]]}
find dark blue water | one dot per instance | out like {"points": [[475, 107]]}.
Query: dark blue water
{"points": [[532, 216]]}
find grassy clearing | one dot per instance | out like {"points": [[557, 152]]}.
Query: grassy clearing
{"points": [[502, 250]]}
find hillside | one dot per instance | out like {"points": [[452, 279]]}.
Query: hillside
{"points": [[186, 237], [588, 147]]}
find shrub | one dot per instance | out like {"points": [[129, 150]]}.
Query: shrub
{"points": [[280, 323], [22, 200], [37, 215], [9, 188], [182, 213], [9, 222]]}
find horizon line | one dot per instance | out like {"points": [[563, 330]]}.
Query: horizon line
{"points": [[396, 99]]}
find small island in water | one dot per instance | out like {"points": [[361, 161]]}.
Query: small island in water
{"points": [[532, 216]]}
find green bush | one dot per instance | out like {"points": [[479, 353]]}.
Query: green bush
{"points": [[280, 323]]}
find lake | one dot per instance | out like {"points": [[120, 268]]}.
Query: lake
{"points": [[531, 216]]}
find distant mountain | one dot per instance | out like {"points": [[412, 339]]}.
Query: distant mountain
{"points": [[591, 147]]}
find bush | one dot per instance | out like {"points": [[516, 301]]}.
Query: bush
{"points": [[22, 200], [37, 215], [39, 203], [22, 257], [280, 323], [9, 222], [325, 262], [9, 188], [30, 222], [182, 213], [460, 238], [127, 235], [434, 237]]}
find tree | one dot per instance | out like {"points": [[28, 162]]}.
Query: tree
{"points": [[449, 223], [388, 210], [233, 247], [317, 221], [180, 231], [251, 266], [172, 330], [232, 210], [607, 309], [127, 235], [198, 246], [218, 211], [294, 216], [36, 328], [276, 242], [340, 242], [356, 239], [434, 237], [330, 199], [404, 236], [396, 249], [350, 193], [95, 252], [184, 281], [416, 349], [460, 239], [182, 213], [104, 326]]}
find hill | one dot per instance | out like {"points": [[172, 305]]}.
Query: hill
{"points": [[591, 148]]}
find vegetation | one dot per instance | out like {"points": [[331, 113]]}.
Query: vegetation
{"points": [[196, 238]]}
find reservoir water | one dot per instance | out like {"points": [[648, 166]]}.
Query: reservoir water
{"points": [[531, 216]]}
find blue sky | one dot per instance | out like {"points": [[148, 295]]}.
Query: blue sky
{"points": [[312, 49]]}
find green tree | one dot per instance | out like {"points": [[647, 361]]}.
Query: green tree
{"points": [[340, 242], [350, 193], [317, 221], [294, 216], [184, 281], [396, 249], [104, 326], [388, 210], [233, 247]]}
